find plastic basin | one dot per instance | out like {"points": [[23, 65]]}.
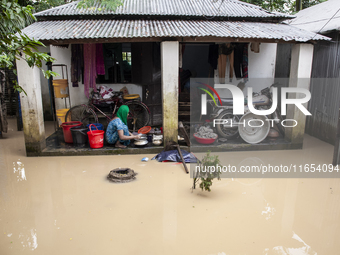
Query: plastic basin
{"points": [[205, 140]]}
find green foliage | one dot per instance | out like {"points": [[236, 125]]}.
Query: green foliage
{"points": [[309, 3], [100, 5], [14, 44], [18, 88], [284, 6], [208, 172], [17, 14], [47, 4], [41, 5]]}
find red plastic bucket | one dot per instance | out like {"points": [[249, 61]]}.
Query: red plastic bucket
{"points": [[66, 130], [96, 137]]}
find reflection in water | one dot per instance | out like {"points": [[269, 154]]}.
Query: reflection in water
{"points": [[280, 250], [268, 212], [55, 224], [19, 170], [160, 215], [29, 241], [251, 161], [3, 174]]}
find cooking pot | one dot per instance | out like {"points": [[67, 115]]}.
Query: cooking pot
{"points": [[157, 142], [141, 143]]}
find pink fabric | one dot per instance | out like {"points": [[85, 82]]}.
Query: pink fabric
{"points": [[90, 68], [100, 59]]}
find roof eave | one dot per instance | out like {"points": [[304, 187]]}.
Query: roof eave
{"points": [[189, 39], [273, 19]]}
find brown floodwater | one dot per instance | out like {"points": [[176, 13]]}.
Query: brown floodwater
{"points": [[65, 205]]}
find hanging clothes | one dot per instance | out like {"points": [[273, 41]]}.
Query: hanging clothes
{"points": [[100, 59], [255, 47], [77, 63], [231, 65], [238, 59], [245, 63], [226, 49], [222, 64], [90, 68], [227, 70], [226, 61], [241, 60]]}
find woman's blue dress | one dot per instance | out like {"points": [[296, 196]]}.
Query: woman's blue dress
{"points": [[111, 134]]}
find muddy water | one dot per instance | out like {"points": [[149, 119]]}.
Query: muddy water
{"points": [[64, 205]]}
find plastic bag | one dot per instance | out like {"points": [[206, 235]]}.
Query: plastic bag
{"points": [[174, 156]]}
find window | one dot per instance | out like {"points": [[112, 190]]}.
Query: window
{"points": [[117, 61], [127, 57]]}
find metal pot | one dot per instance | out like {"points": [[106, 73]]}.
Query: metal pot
{"points": [[157, 142], [141, 143], [142, 137]]}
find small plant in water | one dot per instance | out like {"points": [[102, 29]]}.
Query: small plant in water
{"points": [[206, 171]]}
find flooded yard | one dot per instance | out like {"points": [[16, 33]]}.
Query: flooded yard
{"points": [[65, 205]]}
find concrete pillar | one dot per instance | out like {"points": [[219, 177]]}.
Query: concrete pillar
{"points": [[31, 108], [169, 60], [300, 73]]}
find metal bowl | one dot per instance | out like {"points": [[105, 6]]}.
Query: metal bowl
{"points": [[157, 142], [158, 137], [255, 133], [141, 143], [142, 137]]}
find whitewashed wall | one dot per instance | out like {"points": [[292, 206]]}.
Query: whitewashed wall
{"points": [[261, 68], [44, 87], [63, 56]]}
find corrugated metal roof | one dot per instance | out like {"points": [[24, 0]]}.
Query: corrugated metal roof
{"points": [[218, 8], [318, 17], [90, 29]]}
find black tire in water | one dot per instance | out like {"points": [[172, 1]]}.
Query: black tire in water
{"points": [[82, 113], [225, 131]]}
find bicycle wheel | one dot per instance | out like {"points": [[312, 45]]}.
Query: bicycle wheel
{"points": [[281, 129], [82, 113], [139, 115], [228, 130]]}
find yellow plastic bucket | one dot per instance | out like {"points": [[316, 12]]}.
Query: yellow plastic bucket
{"points": [[60, 88], [61, 114]]}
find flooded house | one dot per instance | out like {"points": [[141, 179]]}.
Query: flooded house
{"points": [[146, 47]]}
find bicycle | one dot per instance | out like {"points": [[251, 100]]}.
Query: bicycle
{"points": [[139, 114]]}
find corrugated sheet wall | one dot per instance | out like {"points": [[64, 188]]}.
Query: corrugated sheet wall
{"points": [[325, 86], [325, 90]]}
